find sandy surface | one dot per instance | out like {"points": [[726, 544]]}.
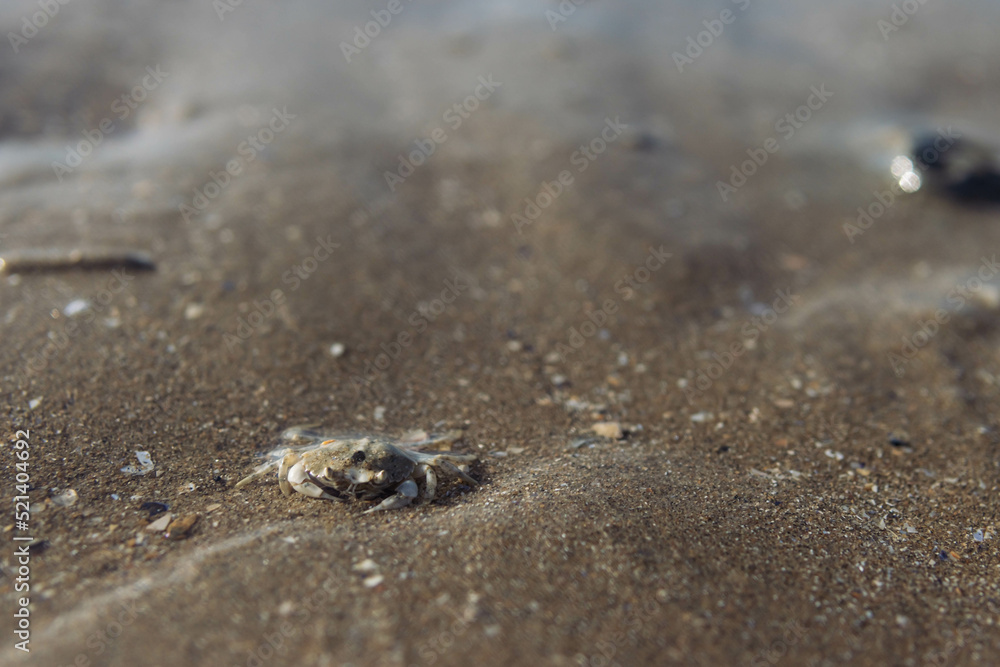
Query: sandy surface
{"points": [[817, 502]]}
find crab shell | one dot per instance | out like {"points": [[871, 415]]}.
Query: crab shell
{"points": [[365, 468]]}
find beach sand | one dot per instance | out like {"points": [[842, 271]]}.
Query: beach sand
{"points": [[819, 497]]}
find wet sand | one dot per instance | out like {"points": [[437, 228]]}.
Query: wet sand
{"points": [[787, 493]]}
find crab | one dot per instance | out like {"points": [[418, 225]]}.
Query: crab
{"points": [[365, 467]]}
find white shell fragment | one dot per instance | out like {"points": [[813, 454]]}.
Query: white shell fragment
{"points": [[160, 524], [145, 465], [67, 498]]}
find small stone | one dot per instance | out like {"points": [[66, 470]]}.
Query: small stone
{"points": [[76, 306], [34, 403], [514, 345], [515, 450], [337, 350], [154, 508], [213, 507], [65, 499], [373, 581], [701, 417], [784, 403], [559, 380], [899, 440], [160, 524], [193, 311], [366, 566], [611, 430], [379, 413], [180, 528]]}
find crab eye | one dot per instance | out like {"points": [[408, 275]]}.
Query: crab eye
{"points": [[357, 457], [328, 473]]}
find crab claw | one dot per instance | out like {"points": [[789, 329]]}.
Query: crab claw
{"points": [[405, 493], [299, 479]]}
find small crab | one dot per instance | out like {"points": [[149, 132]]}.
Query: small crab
{"points": [[366, 467]]}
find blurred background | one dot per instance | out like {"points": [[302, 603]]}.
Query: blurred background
{"points": [[757, 237]]}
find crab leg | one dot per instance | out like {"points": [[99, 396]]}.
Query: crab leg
{"points": [[451, 467], [257, 474], [287, 461], [405, 493], [430, 481]]}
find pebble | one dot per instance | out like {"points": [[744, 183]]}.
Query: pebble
{"points": [[193, 311], [701, 416], [379, 413], [611, 430], [337, 350], [180, 529], [65, 499], [373, 581], [154, 508], [160, 524], [34, 403], [366, 566], [75, 306]]}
